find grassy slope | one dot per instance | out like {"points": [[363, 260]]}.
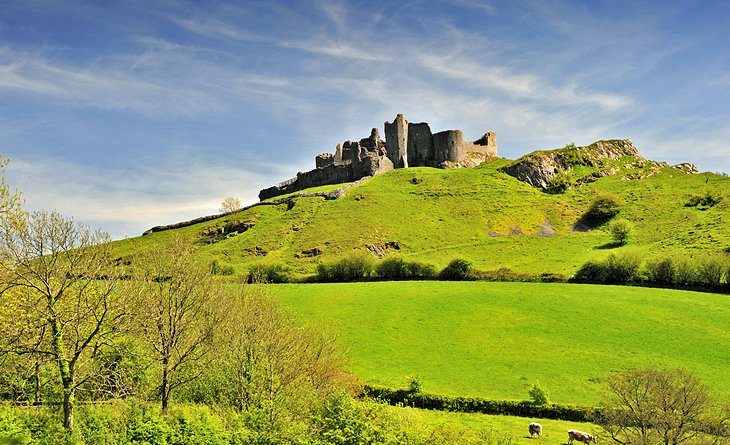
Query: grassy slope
{"points": [[452, 213], [497, 339]]}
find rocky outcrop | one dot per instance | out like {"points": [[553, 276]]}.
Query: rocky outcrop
{"points": [[539, 168]]}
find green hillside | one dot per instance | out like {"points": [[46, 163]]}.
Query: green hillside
{"points": [[495, 340], [480, 214]]}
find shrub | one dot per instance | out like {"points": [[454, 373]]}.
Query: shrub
{"points": [[421, 271], [620, 231], [11, 429], [196, 425], [660, 271], [42, 425], [710, 270], [146, 427], [480, 405], [685, 272], [343, 421], [219, 268], [707, 200], [391, 268], [590, 272], [604, 207], [539, 395], [614, 269], [415, 384], [102, 425], [268, 273], [354, 268], [457, 270], [623, 268], [558, 183], [399, 269]]}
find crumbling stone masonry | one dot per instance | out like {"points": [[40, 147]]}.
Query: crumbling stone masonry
{"points": [[406, 145]]}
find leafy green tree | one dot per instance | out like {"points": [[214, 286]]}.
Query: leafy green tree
{"points": [[604, 207], [539, 395], [271, 364], [458, 269], [11, 212], [620, 231], [59, 287]]}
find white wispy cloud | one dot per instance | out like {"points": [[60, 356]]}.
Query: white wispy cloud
{"points": [[98, 86], [336, 49], [214, 27], [527, 86]]}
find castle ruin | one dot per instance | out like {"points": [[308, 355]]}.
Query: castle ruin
{"points": [[406, 145]]}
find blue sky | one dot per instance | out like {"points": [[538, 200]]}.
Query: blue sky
{"points": [[131, 114]]}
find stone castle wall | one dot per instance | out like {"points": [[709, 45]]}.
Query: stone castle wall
{"points": [[406, 145]]}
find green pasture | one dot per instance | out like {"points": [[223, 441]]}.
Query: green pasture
{"points": [[495, 340], [479, 426]]}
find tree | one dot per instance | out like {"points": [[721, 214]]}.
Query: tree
{"points": [[177, 314], [604, 207], [620, 231], [230, 205], [669, 407], [59, 299], [458, 269], [539, 395], [272, 364], [11, 212]]}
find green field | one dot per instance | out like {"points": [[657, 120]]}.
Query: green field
{"points": [[479, 426], [495, 340]]}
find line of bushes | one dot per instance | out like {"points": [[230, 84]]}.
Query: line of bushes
{"points": [[363, 267], [437, 402], [704, 273]]}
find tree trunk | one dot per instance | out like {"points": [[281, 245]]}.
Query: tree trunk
{"points": [[68, 408], [37, 378], [165, 387]]}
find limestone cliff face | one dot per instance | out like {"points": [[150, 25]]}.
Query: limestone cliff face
{"points": [[538, 168]]}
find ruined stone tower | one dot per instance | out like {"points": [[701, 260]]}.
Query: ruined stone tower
{"points": [[396, 141]]}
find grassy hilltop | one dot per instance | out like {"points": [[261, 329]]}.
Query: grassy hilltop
{"points": [[480, 214]]}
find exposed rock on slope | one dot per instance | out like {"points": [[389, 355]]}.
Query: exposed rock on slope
{"points": [[540, 167]]}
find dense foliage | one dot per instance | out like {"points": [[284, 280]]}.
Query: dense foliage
{"points": [[706, 272], [481, 405], [604, 207]]}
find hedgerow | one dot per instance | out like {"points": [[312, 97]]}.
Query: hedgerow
{"points": [[704, 273], [480, 405]]}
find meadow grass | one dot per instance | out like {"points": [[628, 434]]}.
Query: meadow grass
{"points": [[495, 340], [480, 426]]}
